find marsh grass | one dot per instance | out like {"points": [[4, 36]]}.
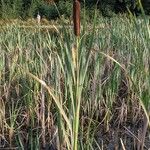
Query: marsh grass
{"points": [[60, 92]]}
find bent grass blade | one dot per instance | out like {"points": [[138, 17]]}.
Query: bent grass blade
{"points": [[56, 99]]}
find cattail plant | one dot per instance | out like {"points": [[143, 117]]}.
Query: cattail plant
{"points": [[76, 17]]}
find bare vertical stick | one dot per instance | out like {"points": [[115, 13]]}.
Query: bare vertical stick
{"points": [[76, 17]]}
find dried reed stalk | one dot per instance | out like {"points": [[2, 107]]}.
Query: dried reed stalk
{"points": [[76, 17]]}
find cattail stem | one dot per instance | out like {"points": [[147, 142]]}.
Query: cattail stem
{"points": [[76, 17]]}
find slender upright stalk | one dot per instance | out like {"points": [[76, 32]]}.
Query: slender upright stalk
{"points": [[77, 100], [76, 21]]}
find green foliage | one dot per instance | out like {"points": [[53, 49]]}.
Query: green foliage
{"points": [[65, 8], [48, 11], [30, 8], [55, 10], [107, 8], [11, 9]]}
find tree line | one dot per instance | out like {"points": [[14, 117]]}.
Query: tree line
{"points": [[52, 9]]}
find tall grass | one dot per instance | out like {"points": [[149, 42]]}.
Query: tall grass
{"points": [[57, 94]]}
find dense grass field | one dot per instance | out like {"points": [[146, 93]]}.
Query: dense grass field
{"points": [[62, 92]]}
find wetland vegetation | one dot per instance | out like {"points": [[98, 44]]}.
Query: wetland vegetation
{"points": [[62, 92]]}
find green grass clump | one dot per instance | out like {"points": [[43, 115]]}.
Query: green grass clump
{"points": [[59, 91]]}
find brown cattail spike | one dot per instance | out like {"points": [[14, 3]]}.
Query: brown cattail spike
{"points": [[76, 17]]}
